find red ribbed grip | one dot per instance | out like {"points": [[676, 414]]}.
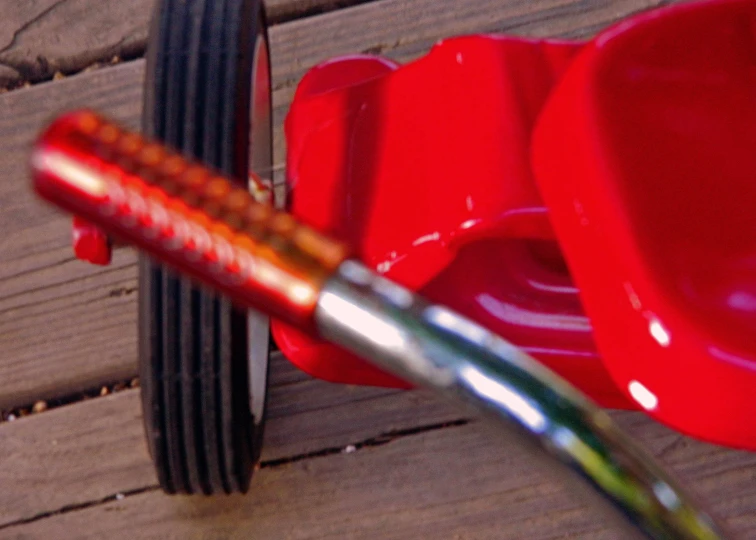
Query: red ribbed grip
{"points": [[184, 214]]}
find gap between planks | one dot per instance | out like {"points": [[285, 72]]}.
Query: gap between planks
{"points": [[48, 39], [90, 450], [68, 466]]}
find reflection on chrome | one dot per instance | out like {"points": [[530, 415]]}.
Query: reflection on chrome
{"points": [[667, 495], [434, 347], [499, 392], [382, 334], [448, 320]]}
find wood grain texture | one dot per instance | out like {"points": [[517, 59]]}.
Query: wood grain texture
{"points": [[41, 37], [93, 449], [67, 326], [56, 313], [452, 482]]}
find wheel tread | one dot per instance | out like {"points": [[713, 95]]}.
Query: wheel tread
{"points": [[192, 343]]}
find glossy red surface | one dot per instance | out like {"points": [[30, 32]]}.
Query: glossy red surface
{"points": [[424, 170], [90, 243], [652, 192]]}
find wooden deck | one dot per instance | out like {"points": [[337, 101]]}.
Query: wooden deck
{"points": [[339, 462]]}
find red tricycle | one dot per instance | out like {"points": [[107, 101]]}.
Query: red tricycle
{"points": [[590, 202]]}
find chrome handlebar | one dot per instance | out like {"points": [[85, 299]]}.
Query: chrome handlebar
{"points": [[436, 348]]}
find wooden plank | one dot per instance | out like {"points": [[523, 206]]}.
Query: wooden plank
{"points": [[41, 37], [88, 313], [57, 313], [64, 469], [90, 450]]}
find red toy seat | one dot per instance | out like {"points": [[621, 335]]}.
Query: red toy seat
{"points": [[646, 158]]}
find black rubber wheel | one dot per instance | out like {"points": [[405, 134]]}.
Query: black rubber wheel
{"points": [[204, 364]]}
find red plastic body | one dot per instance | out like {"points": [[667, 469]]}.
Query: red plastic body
{"points": [[90, 243], [424, 170], [640, 142]]}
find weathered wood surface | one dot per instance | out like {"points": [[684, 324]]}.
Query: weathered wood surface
{"points": [[66, 326], [41, 37], [90, 450], [68, 466]]}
